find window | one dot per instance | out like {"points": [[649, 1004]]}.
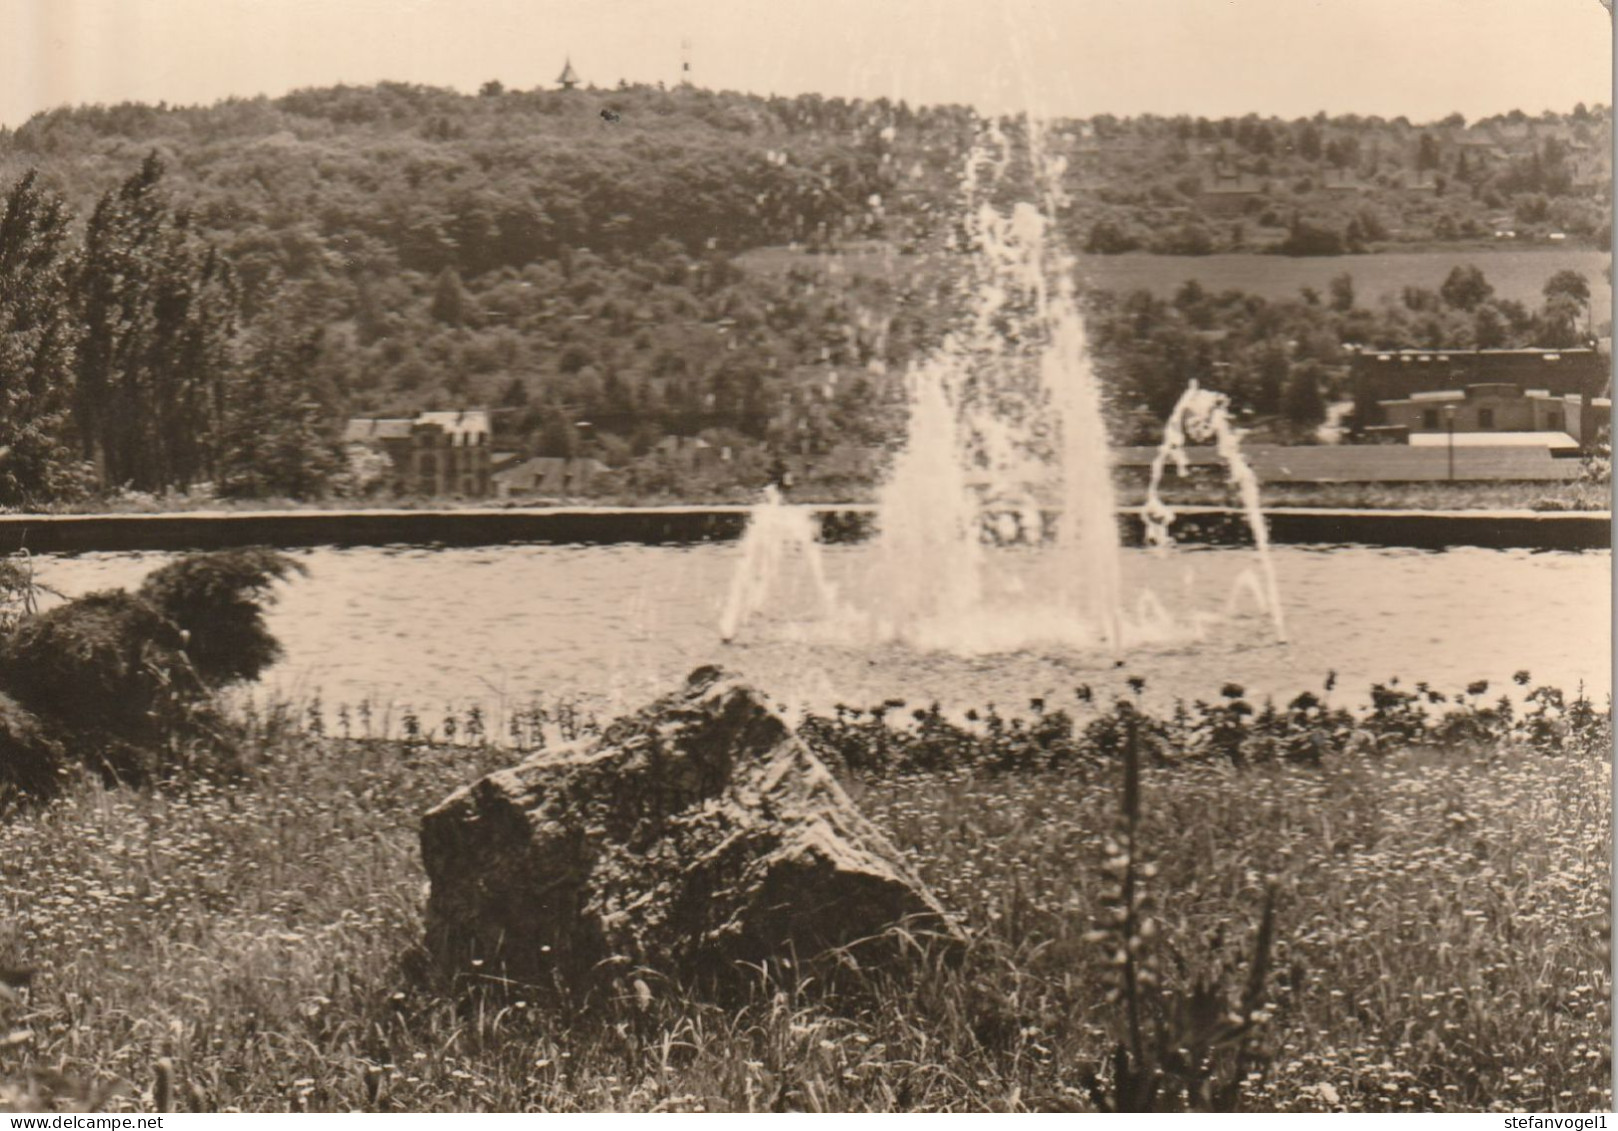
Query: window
{"points": [[1485, 418], [1429, 419]]}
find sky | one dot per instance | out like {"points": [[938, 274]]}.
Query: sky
{"points": [[1422, 59]]}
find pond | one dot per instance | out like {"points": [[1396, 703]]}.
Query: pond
{"points": [[430, 628]]}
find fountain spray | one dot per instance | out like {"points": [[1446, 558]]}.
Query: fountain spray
{"points": [[1005, 424], [1201, 415]]}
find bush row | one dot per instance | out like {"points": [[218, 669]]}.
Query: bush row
{"points": [[880, 742]]}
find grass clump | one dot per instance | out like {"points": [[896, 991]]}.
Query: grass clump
{"points": [[107, 673], [123, 682], [218, 601]]}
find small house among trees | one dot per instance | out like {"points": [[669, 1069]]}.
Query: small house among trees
{"points": [[433, 454]]}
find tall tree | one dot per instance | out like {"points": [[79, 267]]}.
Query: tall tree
{"points": [[37, 340], [1465, 288], [278, 436], [451, 304], [158, 306], [1427, 154], [1568, 283], [1304, 402], [1567, 297]]}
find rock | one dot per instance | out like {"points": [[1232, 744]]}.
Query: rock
{"points": [[695, 835]]}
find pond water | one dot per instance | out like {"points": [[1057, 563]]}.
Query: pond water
{"points": [[496, 626]]}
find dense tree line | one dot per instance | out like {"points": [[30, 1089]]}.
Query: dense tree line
{"points": [[1280, 362], [123, 361], [605, 268], [37, 339], [1336, 185], [519, 250]]}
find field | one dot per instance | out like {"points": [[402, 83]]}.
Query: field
{"points": [[250, 944], [1518, 274], [1515, 274]]}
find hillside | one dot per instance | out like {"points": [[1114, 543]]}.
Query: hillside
{"points": [[651, 260]]}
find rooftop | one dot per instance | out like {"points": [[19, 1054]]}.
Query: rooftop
{"points": [[466, 425], [466, 422], [1546, 440], [362, 429]]}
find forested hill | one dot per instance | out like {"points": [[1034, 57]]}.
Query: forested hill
{"points": [[408, 177], [583, 255], [398, 177], [565, 255]]}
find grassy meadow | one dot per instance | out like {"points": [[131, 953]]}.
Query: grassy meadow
{"points": [[250, 943], [1515, 273]]}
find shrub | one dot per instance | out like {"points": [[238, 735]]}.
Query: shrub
{"points": [[123, 681], [1305, 238], [19, 592], [218, 601], [878, 743], [107, 672]]}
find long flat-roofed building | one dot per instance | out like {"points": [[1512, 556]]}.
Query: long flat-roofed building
{"points": [[1516, 390]]}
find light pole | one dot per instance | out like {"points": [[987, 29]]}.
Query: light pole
{"points": [[1449, 419]]}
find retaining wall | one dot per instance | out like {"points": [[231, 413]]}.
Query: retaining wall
{"points": [[58, 534]]}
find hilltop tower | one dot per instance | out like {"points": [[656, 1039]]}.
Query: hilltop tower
{"points": [[569, 78]]}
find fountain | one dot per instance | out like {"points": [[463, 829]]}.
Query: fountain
{"points": [[1203, 415], [1005, 426], [776, 534]]}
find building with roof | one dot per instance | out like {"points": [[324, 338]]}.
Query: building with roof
{"points": [[549, 476], [569, 78], [431, 454], [1488, 391], [1488, 414]]}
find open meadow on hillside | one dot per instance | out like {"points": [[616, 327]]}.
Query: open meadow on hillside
{"points": [[1516, 274]]}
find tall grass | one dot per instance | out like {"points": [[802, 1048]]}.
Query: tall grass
{"points": [[252, 943]]}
